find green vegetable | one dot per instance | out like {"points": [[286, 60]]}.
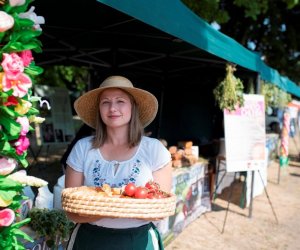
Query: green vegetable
{"points": [[52, 224]]}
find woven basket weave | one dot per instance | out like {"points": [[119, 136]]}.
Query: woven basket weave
{"points": [[77, 201]]}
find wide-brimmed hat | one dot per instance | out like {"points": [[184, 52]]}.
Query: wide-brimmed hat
{"points": [[87, 105]]}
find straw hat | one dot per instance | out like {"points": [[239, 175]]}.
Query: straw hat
{"points": [[87, 105]]}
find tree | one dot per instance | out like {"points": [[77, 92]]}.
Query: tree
{"points": [[267, 27]]}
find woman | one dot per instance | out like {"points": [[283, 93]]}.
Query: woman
{"points": [[116, 155]]}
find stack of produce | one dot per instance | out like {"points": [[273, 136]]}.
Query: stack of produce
{"points": [[182, 156]]}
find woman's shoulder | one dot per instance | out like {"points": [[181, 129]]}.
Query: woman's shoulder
{"points": [[86, 141], [149, 139], [151, 142]]}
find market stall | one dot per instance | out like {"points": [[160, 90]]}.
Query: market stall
{"points": [[192, 188]]}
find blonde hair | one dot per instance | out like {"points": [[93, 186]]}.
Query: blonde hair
{"points": [[135, 132]]}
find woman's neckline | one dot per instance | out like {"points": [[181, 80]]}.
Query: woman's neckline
{"points": [[122, 161]]}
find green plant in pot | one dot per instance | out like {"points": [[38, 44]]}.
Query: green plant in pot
{"points": [[51, 224]]}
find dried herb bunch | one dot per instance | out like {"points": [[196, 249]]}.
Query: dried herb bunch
{"points": [[229, 93], [274, 96]]}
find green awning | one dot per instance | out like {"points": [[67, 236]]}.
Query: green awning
{"points": [[174, 18]]}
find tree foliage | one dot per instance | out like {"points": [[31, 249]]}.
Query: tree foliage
{"points": [[268, 27], [72, 77]]}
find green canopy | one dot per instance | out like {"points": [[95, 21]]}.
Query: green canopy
{"points": [[174, 18]]}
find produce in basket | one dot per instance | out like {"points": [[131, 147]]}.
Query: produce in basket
{"points": [[110, 202]]}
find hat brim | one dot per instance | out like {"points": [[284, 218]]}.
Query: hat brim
{"points": [[87, 105]]}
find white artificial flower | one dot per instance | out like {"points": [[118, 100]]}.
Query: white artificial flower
{"points": [[30, 14], [6, 21], [14, 3], [36, 119]]}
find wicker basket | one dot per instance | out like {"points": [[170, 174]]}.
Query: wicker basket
{"points": [[80, 201]]}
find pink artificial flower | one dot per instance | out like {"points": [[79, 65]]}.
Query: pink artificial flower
{"points": [[19, 85], [11, 101], [26, 57], [7, 217], [14, 3], [6, 21], [12, 65], [22, 144], [7, 165], [24, 124]]}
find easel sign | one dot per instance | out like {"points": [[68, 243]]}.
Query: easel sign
{"points": [[245, 136], [245, 142]]}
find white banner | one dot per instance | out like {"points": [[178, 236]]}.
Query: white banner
{"points": [[245, 135]]}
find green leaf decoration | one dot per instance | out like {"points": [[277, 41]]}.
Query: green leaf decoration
{"points": [[17, 9], [8, 184], [33, 70], [19, 233], [7, 111], [10, 125], [33, 111], [24, 36], [21, 23]]}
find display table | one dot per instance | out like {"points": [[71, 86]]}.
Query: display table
{"points": [[192, 188]]}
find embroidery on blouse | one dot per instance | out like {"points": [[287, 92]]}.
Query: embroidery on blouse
{"points": [[135, 172], [100, 180]]}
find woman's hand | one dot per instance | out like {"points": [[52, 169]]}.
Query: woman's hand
{"points": [[163, 177]]}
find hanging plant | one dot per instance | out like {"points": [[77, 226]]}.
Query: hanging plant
{"points": [[274, 96], [229, 93]]}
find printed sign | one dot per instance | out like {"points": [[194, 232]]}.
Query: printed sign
{"points": [[245, 135]]}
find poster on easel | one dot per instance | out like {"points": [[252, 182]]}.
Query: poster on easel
{"points": [[245, 136], [58, 127]]}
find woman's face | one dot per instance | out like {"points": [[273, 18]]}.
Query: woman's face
{"points": [[115, 108]]}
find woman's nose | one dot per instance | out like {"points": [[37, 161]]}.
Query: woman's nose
{"points": [[112, 107]]}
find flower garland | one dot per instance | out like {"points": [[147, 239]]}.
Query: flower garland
{"points": [[19, 31]]}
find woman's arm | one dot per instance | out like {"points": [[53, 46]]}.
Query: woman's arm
{"points": [[75, 179], [163, 177]]}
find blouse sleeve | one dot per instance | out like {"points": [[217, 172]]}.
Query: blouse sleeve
{"points": [[161, 155], [76, 157]]}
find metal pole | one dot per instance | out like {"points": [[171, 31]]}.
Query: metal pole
{"points": [[251, 195]]}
